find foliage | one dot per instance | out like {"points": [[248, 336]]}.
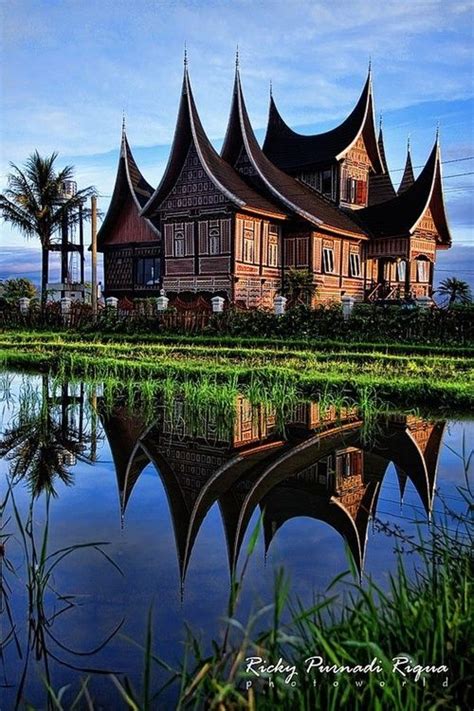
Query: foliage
{"points": [[14, 289], [368, 323], [410, 379], [298, 285], [34, 202], [456, 291]]}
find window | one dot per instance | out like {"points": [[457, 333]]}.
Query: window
{"points": [[328, 260], [402, 270], [351, 190], [179, 243], [354, 262], [248, 243], [248, 249], [272, 260], [147, 271], [214, 241], [273, 254], [423, 269], [326, 182]]}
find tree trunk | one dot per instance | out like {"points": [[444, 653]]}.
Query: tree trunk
{"points": [[44, 275]]}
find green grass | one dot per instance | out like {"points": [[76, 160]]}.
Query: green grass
{"points": [[426, 618], [430, 378]]}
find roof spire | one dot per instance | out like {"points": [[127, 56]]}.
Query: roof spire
{"points": [[271, 88], [370, 65], [237, 64], [380, 121], [123, 121], [185, 55], [437, 131], [408, 142]]}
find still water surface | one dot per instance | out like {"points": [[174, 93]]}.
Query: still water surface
{"points": [[171, 498]]}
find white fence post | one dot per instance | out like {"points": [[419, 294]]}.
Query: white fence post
{"points": [[162, 301], [347, 306], [279, 305], [217, 304]]}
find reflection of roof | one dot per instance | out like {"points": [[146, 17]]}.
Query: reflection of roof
{"points": [[189, 131], [291, 151], [275, 475], [285, 502], [123, 428], [402, 214], [129, 183], [293, 195]]}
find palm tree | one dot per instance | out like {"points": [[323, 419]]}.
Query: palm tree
{"points": [[35, 203], [456, 291]]}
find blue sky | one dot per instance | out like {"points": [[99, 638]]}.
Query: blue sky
{"points": [[69, 68]]}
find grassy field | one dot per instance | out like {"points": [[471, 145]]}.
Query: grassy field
{"points": [[426, 376]]}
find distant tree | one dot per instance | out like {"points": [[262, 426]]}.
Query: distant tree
{"points": [[456, 291], [298, 285], [35, 203], [14, 289]]}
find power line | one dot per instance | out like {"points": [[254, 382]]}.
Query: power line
{"points": [[458, 175], [443, 162]]}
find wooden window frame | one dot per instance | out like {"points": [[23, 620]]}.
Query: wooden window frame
{"points": [[355, 265], [328, 260], [422, 271]]}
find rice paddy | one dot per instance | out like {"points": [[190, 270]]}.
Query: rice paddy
{"points": [[429, 378]]}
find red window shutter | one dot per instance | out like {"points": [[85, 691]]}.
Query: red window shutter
{"points": [[360, 186]]}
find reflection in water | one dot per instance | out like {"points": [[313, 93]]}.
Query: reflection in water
{"points": [[323, 468], [47, 437]]}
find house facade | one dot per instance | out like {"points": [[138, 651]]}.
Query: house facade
{"points": [[234, 224]]}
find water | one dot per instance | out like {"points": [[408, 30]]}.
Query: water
{"points": [[171, 498]]}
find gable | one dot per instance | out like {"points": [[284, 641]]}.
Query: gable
{"points": [[243, 163], [427, 223], [358, 154], [193, 188], [128, 226]]}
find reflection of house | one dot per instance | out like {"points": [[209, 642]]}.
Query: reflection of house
{"points": [[234, 223], [322, 470]]}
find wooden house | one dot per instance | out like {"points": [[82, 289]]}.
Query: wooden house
{"points": [[233, 224]]}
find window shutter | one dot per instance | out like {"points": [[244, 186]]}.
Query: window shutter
{"points": [[265, 247], [169, 240], [189, 238], [225, 236], [290, 252], [238, 238], [203, 238]]}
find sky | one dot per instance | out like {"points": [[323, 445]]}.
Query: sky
{"points": [[70, 68]]}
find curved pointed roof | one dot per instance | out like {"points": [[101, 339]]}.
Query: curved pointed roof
{"points": [[129, 182], [292, 194], [380, 185], [291, 151], [408, 175], [189, 131], [402, 214]]}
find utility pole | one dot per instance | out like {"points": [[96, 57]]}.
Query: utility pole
{"points": [[94, 255]]}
